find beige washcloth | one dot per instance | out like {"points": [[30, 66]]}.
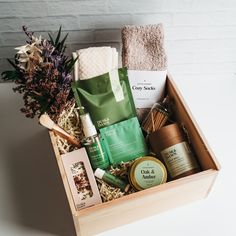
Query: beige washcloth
{"points": [[95, 61], [143, 47]]}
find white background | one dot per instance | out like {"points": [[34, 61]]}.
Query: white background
{"points": [[201, 47]]}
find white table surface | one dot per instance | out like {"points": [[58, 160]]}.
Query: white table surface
{"points": [[32, 198]]}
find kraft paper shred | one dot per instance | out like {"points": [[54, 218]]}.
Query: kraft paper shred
{"points": [[70, 122]]}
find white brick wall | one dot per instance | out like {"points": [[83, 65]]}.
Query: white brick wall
{"points": [[200, 34]]}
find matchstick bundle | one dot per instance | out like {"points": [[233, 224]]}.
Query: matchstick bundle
{"points": [[156, 118]]}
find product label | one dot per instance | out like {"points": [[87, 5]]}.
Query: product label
{"points": [[147, 87], [96, 155], [179, 159], [148, 174], [115, 85], [103, 122]]}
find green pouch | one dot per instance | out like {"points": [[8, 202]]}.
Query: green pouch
{"points": [[107, 98], [124, 141]]}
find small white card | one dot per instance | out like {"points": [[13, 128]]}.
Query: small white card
{"points": [[147, 87]]}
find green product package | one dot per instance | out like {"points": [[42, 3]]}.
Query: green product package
{"points": [[124, 141], [107, 98]]}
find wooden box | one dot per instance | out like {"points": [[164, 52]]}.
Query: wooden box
{"points": [[152, 201]]}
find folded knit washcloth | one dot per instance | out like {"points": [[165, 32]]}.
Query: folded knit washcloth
{"points": [[95, 61], [143, 47]]}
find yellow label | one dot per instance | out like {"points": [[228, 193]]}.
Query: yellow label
{"points": [[179, 159]]}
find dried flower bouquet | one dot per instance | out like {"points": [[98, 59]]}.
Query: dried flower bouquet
{"points": [[42, 73]]}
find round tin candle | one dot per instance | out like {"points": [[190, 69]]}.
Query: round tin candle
{"points": [[147, 172]]}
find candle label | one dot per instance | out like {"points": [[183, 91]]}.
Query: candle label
{"points": [[179, 159], [149, 174]]}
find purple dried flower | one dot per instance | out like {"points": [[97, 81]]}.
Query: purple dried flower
{"points": [[28, 33], [66, 78], [42, 73]]}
